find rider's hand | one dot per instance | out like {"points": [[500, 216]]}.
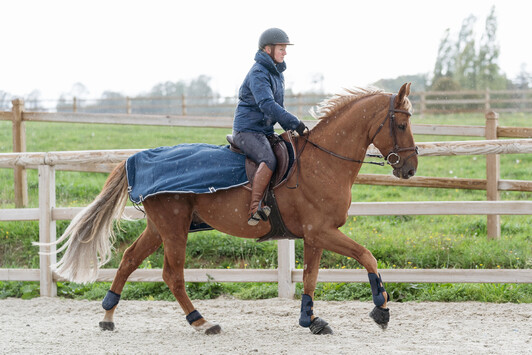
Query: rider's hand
{"points": [[301, 129]]}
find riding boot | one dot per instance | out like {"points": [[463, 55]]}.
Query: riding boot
{"points": [[260, 182]]}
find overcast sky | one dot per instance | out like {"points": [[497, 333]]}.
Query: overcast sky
{"points": [[129, 46]]}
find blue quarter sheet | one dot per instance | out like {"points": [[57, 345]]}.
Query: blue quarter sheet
{"points": [[185, 168]]}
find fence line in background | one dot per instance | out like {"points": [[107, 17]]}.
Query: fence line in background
{"points": [[424, 102]]}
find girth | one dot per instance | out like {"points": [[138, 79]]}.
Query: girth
{"points": [[278, 229]]}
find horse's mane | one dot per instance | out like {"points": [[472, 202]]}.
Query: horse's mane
{"points": [[330, 107]]}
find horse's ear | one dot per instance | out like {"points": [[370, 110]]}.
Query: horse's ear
{"points": [[404, 91]]}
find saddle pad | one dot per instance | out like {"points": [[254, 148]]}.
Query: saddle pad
{"points": [[185, 168]]}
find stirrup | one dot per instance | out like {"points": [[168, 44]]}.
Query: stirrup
{"points": [[262, 214]]}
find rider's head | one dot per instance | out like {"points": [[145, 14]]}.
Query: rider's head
{"points": [[273, 41]]}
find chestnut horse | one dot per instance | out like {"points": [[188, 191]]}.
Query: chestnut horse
{"points": [[330, 157]]}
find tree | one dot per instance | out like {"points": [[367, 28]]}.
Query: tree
{"points": [[445, 65], [168, 88], [465, 71], [111, 102], [445, 83], [523, 81], [462, 65], [33, 101], [200, 87], [489, 75], [199, 91], [65, 102], [5, 101], [419, 82]]}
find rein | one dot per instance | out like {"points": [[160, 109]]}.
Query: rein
{"points": [[392, 158], [346, 158]]}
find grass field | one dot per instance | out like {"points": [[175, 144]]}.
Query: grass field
{"points": [[396, 241]]}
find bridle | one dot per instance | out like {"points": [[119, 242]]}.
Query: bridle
{"points": [[392, 157]]}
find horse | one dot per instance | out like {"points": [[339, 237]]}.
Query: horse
{"points": [[329, 157]]}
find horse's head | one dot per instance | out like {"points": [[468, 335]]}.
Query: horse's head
{"points": [[393, 135]]}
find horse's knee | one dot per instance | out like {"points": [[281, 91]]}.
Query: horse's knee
{"points": [[366, 258]]}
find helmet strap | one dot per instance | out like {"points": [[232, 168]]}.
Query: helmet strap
{"points": [[271, 51]]}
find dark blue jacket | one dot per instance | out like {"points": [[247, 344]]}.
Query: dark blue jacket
{"points": [[261, 97]]}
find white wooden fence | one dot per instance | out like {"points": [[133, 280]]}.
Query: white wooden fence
{"points": [[286, 275]]}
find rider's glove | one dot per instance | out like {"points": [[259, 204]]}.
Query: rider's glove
{"points": [[301, 128]]}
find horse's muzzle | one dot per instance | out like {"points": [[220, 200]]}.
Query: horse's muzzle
{"points": [[404, 172]]}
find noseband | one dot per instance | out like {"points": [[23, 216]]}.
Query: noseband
{"points": [[392, 157]]}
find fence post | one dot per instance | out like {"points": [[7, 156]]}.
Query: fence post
{"points": [[74, 104], [422, 103], [47, 231], [492, 176], [19, 146], [128, 105], [286, 252], [487, 104], [183, 105]]}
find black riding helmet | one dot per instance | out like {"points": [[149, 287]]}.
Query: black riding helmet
{"points": [[273, 36]]}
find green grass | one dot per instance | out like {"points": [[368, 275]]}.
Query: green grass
{"points": [[396, 241]]}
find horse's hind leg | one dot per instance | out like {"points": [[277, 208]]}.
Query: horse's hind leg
{"points": [[173, 217], [312, 257], [144, 246]]}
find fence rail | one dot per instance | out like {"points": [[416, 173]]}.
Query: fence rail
{"points": [[296, 275]]}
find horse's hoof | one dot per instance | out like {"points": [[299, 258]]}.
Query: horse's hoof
{"points": [[107, 326], [215, 329], [321, 327], [381, 316]]}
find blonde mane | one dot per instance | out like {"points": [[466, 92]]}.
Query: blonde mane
{"points": [[331, 106]]}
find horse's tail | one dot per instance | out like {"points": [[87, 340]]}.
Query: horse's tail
{"points": [[90, 236]]}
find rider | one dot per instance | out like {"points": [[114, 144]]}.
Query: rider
{"points": [[260, 106]]}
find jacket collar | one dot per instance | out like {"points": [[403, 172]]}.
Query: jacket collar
{"points": [[264, 59]]}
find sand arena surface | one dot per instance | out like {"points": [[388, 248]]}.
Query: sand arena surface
{"points": [[61, 326]]}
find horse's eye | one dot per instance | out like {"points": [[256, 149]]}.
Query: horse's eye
{"points": [[402, 126]]}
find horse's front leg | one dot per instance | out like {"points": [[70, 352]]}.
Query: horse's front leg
{"points": [[312, 257], [334, 240]]}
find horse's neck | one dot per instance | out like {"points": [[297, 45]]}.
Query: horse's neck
{"points": [[346, 135]]}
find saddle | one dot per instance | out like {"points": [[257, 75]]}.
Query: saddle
{"points": [[285, 153]]}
